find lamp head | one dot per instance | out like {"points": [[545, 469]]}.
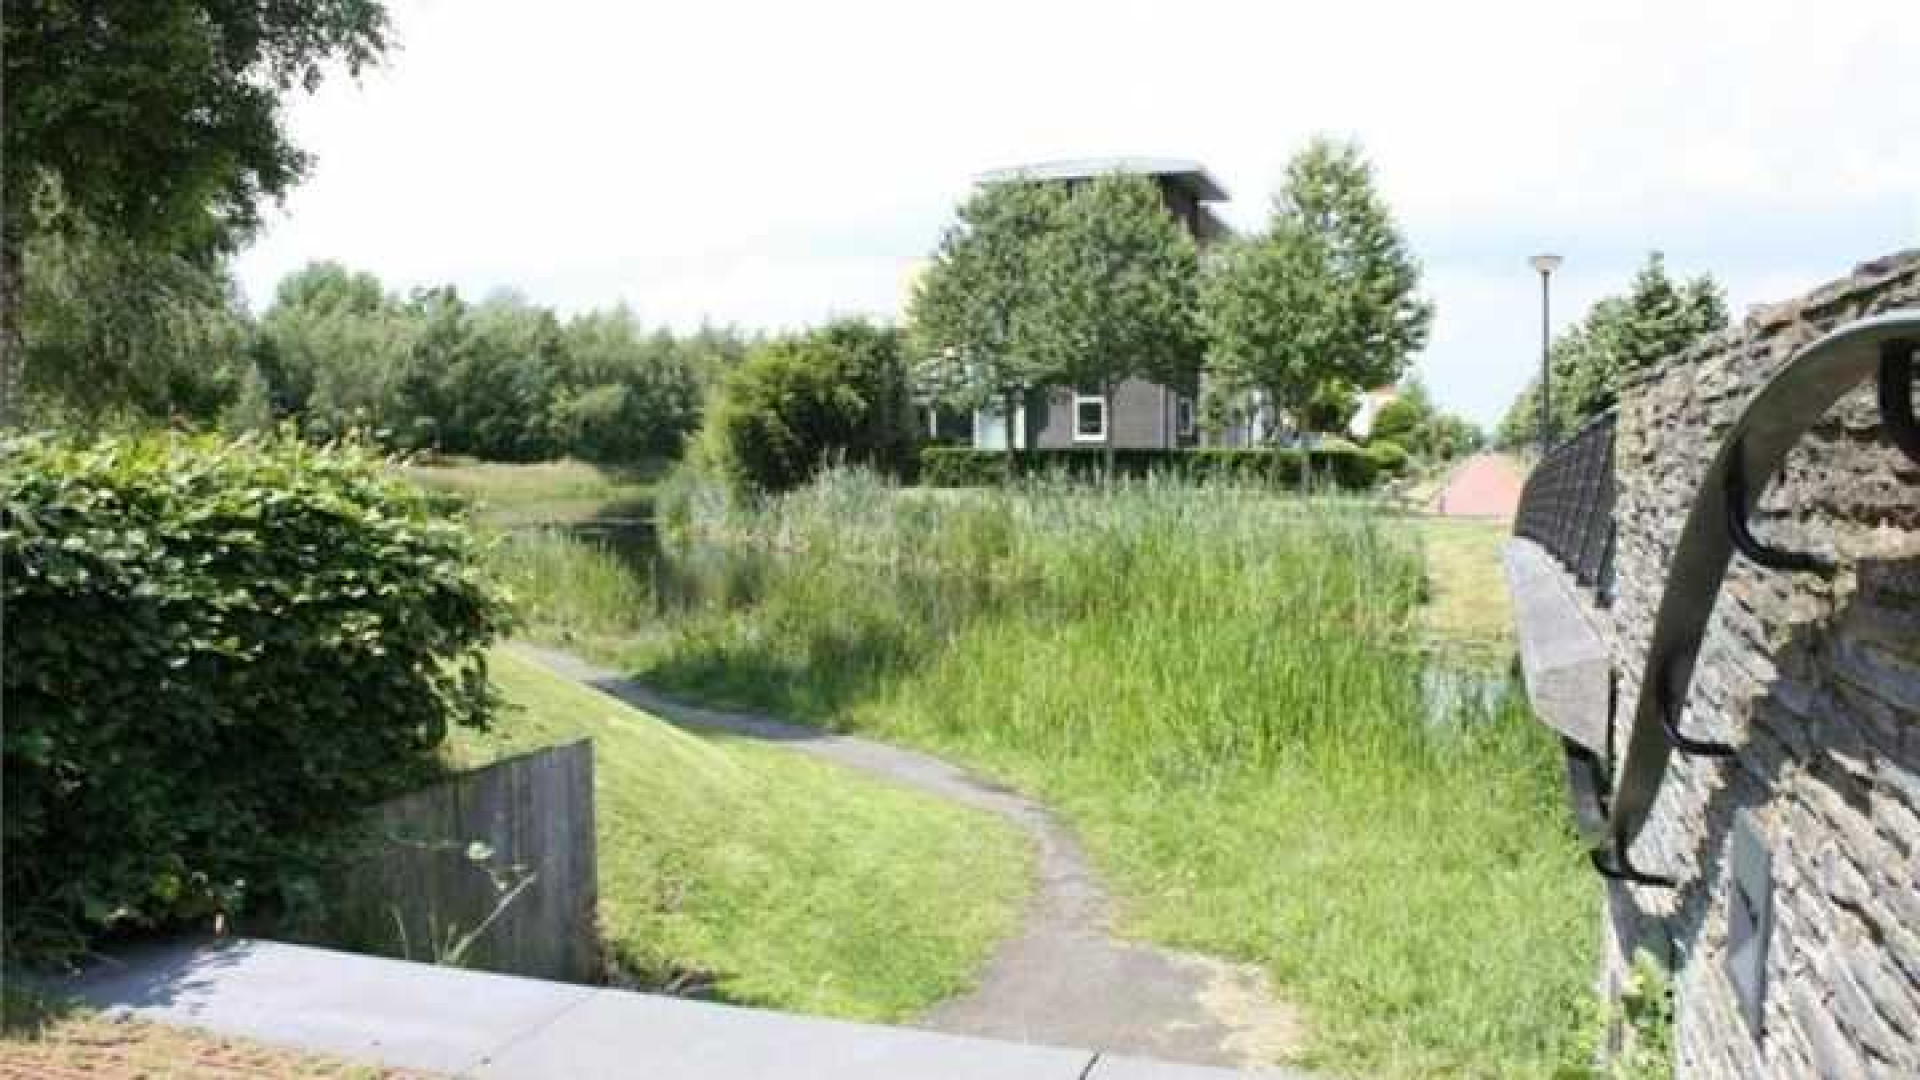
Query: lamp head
{"points": [[1546, 264]]}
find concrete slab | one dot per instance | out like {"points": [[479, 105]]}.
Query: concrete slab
{"points": [[502, 1027], [616, 1034], [1563, 658], [365, 1008]]}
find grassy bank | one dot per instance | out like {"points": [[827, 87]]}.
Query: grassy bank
{"points": [[554, 492], [762, 877], [1229, 694]]}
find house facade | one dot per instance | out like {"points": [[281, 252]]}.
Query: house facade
{"points": [[1145, 415]]}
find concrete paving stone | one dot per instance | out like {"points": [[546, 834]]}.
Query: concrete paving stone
{"points": [[621, 1034], [1117, 1067]]}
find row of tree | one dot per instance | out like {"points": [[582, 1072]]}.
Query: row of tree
{"points": [[1038, 286], [1657, 319]]}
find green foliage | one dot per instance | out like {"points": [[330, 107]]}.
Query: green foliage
{"points": [[970, 309], [216, 653], [1389, 457], [1413, 422], [836, 394], [1326, 295], [1620, 338], [1343, 467], [1640, 1018], [118, 334], [503, 379], [161, 121]]}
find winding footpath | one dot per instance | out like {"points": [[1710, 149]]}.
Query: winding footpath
{"points": [[1065, 979]]}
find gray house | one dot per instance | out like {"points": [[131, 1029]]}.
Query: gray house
{"points": [[1146, 415]]}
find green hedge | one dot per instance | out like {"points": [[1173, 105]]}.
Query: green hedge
{"points": [[215, 655], [1346, 468]]}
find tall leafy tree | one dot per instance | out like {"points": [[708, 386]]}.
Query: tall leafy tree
{"points": [[157, 122], [967, 311], [1118, 294], [1327, 294]]}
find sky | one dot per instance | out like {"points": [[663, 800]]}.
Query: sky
{"points": [[777, 164]]}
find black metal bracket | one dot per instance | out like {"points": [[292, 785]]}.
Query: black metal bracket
{"points": [[1670, 723], [1617, 867], [1757, 551], [1896, 397]]}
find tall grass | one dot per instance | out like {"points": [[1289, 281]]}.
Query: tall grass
{"points": [[1229, 694]]}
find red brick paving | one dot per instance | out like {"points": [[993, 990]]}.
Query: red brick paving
{"points": [[1485, 485]]}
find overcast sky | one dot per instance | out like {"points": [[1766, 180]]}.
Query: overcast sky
{"points": [[772, 164]]}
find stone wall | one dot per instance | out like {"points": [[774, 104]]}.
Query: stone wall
{"points": [[1817, 680]]}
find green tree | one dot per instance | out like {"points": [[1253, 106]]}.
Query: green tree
{"points": [[158, 123], [1118, 294], [968, 310], [1327, 294], [334, 347], [1619, 337], [116, 333]]}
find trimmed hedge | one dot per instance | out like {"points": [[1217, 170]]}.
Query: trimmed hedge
{"points": [[216, 655], [1347, 468]]}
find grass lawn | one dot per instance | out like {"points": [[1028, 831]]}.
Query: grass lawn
{"points": [[42, 1040], [1226, 693], [555, 492], [765, 877], [1467, 614]]}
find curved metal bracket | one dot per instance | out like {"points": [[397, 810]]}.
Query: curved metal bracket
{"points": [[1670, 723], [1774, 419], [1896, 397], [1617, 867], [1757, 551]]}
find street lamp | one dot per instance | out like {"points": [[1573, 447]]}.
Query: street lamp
{"points": [[1546, 265]]}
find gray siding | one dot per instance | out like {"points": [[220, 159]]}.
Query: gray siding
{"points": [[1144, 418]]}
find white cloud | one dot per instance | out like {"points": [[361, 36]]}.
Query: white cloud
{"points": [[772, 163]]}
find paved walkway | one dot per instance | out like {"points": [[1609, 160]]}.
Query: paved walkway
{"points": [[1065, 979], [1485, 485], [472, 1024]]}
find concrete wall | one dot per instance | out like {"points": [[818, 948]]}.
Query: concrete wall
{"points": [[1818, 682], [535, 812]]}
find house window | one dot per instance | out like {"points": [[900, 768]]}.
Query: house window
{"points": [[1089, 418], [1183, 416]]}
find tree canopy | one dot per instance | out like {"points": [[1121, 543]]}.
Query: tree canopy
{"points": [[157, 124], [1326, 296]]}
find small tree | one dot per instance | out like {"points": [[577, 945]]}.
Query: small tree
{"points": [[1325, 295], [965, 315], [1118, 294]]}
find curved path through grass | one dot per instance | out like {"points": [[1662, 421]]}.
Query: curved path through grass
{"points": [[1064, 979]]}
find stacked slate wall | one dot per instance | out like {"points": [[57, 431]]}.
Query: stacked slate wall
{"points": [[1817, 681]]}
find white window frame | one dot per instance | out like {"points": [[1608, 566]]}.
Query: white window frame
{"points": [[1100, 436], [1183, 416]]}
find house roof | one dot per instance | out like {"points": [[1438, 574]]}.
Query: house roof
{"points": [[1187, 174]]}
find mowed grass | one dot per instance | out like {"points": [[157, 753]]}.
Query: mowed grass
{"points": [[1468, 614], [1227, 693], [554, 492], [762, 877]]}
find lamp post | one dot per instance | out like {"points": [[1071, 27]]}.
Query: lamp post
{"points": [[1546, 265]]}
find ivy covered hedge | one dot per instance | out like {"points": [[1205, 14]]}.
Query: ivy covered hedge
{"points": [[215, 654], [1347, 468]]}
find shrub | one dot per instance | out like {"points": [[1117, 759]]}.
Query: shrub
{"points": [[1343, 467], [837, 394], [215, 655], [1389, 457]]}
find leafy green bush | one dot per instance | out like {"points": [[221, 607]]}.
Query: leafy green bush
{"points": [[1343, 467], [838, 394], [215, 654], [1390, 457]]}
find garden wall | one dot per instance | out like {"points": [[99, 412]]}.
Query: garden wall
{"points": [[1814, 825], [534, 817]]}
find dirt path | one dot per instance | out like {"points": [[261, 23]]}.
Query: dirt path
{"points": [[1065, 979], [1485, 485]]}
